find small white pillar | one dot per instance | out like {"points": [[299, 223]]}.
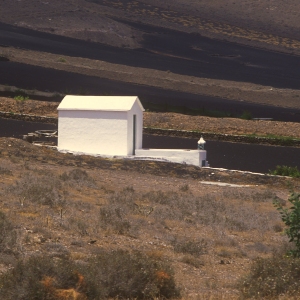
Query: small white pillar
{"points": [[201, 143]]}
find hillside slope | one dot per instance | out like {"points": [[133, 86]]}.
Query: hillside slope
{"points": [[263, 23]]}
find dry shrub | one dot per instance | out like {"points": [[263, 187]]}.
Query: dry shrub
{"points": [[110, 274], [115, 218], [45, 190], [126, 197], [272, 277], [193, 261], [210, 211], [79, 225], [8, 235], [131, 275], [56, 250], [5, 171], [250, 195], [188, 246], [77, 177], [184, 188], [207, 210], [259, 247], [115, 215], [230, 253], [277, 227], [224, 240], [40, 278]]}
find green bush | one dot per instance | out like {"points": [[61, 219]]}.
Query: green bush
{"points": [[291, 218], [246, 115], [272, 277], [286, 171], [110, 274], [21, 98]]}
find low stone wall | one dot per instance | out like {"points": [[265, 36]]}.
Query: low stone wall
{"points": [[28, 118], [223, 137]]}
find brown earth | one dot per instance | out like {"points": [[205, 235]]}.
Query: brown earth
{"points": [[253, 227], [231, 90], [273, 24], [245, 224], [171, 120], [268, 24]]}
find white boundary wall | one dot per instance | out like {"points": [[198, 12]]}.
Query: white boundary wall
{"points": [[190, 157]]}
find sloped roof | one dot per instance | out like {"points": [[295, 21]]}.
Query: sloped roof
{"points": [[103, 103]]}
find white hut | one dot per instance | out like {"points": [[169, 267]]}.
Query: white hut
{"points": [[100, 124]]}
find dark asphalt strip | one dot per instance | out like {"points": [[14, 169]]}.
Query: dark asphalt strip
{"points": [[177, 52], [31, 77], [16, 129], [235, 156]]}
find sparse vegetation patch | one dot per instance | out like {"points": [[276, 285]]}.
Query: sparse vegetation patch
{"points": [[271, 278], [97, 228], [109, 274], [286, 171], [45, 190]]}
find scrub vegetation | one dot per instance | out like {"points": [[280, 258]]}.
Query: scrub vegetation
{"points": [[286, 171], [92, 228]]}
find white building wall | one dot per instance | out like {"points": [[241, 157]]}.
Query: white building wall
{"points": [[93, 132], [136, 110]]}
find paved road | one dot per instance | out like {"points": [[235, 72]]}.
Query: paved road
{"points": [[247, 157], [31, 77], [234, 156], [183, 53], [216, 59]]}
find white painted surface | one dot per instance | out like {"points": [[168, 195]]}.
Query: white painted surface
{"points": [[105, 103], [225, 184], [99, 125], [190, 157], [139, 128]]}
